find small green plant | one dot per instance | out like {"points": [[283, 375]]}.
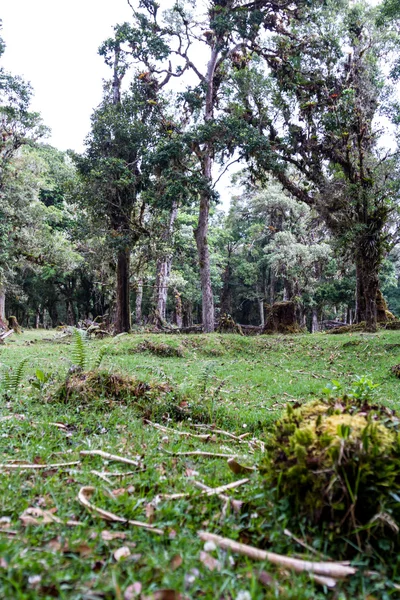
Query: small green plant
{"points": [[11, 379], [40, 380], [79, 353]]}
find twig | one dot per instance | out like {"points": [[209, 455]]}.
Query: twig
{"points": [[301, 543], [324, 569], [200, 453], [83, 497], [108, 456], [224, 488], [37, 467], [236, 504], [102, 476], [204, 437]]}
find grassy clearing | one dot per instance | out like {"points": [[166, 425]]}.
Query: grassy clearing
{"points": [[241, 384]]}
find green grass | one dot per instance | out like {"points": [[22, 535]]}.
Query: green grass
{"points": [[239, 383]]}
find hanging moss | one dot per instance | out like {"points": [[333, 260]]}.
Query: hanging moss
{"points": [[337, 463]]}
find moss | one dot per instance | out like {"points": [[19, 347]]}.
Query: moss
{"points": [[338, 462], [159, 349], [228, 325], [347, 328], [102, 390]]}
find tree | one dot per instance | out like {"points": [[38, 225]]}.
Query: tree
{"points": [[327, 101]]}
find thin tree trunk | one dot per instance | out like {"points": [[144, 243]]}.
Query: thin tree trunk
{"points": [[178, 309], [123, 317], [261, 308], [2, 307], [226, 296], [202, 227], [139, 299], [204, 263], [315, 322], [163, 270]]}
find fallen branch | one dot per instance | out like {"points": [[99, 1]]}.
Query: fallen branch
{"points": [[5, 335], [324, 569], [301, 543], [235, 504], [108, 456], [200, 453], [102, 476], [83, 497], [203, 437], [37, 467]]}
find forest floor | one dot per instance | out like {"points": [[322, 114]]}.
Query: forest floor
{"points": [[52, 546]]}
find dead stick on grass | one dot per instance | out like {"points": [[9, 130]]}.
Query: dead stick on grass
{"points": [[107, 456], [37, 467], [236, 504], [324, 569], [204, 437], [200, 453], [102, 476], [301, 543], [83, 497]]}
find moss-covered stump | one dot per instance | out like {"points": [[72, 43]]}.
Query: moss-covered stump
{"points": [[337, 464], [228, 325], [102, 389], [282, 318], [13, 324]]}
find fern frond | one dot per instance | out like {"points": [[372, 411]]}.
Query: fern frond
{"points": [[100, 356], [12, 379], [79, 353]]}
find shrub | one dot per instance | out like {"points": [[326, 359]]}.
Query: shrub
{"points": [[337, 463]]}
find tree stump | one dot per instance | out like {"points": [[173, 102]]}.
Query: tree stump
{"points": [[282, 318], [228, 325], [13, 324]]}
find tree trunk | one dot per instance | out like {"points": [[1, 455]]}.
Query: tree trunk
{"points": [[315, 322], [178, 309], [367, 289], [261, 308], [2, 308], [163, 270], [139, 299], [123, 316], [226, 296], [204, 263]]}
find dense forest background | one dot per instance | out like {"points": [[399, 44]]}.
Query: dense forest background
{"points": [[298, 99]]}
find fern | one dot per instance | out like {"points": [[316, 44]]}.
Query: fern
{"points": [[12, 379], [79, 352], [100, 356]]}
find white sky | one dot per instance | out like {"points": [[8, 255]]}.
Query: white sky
{"points": [[53, 44]]}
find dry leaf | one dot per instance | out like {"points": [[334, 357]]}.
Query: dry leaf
{"points": [[209, 561], [265, 578], [107, 536], [237, 468], [191, 473], [164, 595], [3, 563], [122, 552], [176, 562], [55, 544], [133, 590], [119, 492], [150, 512], [38, 516]]}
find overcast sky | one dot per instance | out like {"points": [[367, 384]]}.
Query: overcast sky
{"points": [[53, 44]]}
